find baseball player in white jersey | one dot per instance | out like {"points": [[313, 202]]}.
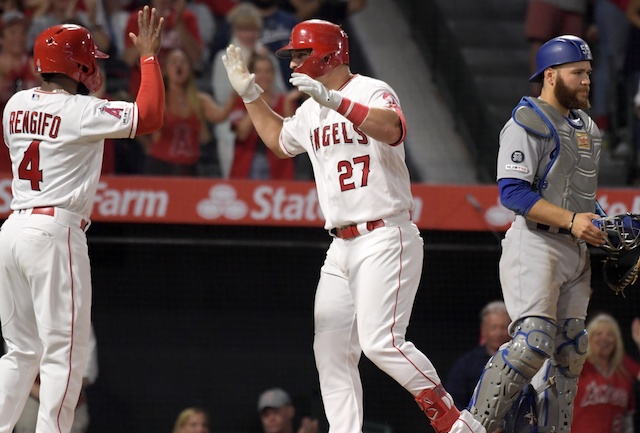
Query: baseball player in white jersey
{"points": [[547, 174], [55, 135], [352, 128]]}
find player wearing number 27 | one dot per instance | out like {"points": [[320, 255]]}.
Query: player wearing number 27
{"points": [[352, 129], [55, 134], [547, 174]]}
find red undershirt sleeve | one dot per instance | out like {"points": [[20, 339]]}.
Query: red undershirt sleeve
{"points": [[150, 99]]}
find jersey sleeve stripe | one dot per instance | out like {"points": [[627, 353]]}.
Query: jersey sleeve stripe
{"points": [[283, 146], [403, 124]]}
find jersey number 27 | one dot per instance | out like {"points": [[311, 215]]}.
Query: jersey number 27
{"points": [[345, 168]]}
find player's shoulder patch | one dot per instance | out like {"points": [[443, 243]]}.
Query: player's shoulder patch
{"points": [[530, 120], [114, 111], [392, 101]]}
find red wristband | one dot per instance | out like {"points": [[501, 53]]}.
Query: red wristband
{"points": [[353, 111]]}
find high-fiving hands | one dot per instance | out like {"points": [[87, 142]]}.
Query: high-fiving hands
{"points": [[317, 90], [148, 41], [243, 82]]}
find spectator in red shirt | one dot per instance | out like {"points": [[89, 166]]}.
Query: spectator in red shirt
{"points": [[87, 13], [604, 401], [16, 65], [251, 159], [175, 149], [220, 8], [180, 31], [16, 68], [246, 25]]}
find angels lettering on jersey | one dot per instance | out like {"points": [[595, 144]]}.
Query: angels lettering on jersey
{"points": [[337, 133], [345, 132]]}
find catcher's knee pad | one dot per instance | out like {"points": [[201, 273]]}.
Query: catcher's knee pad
{"points": [[510, 370], [559, 380], [438, 405], [571, 347]]}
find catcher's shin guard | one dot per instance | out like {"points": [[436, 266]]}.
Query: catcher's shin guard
{"points": [[438, 405], [509, 371], [557, 381]]}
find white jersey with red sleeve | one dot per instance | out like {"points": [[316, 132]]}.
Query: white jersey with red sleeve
{"points": [[358, 179], [56, 144]]}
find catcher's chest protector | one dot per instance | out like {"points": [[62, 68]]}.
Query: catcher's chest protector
{"points": [[571, 178]]}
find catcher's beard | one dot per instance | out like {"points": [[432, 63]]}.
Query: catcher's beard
{"points": [[570, 98]]}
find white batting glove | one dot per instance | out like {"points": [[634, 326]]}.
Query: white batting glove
{"points": [[241, 80], [315, 89]]}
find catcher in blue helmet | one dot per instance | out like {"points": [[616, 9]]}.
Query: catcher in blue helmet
{"points": [[560, 51], [547, 174]]}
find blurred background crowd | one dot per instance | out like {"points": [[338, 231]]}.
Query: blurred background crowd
{"points": [[478, 56], [207, 132]]}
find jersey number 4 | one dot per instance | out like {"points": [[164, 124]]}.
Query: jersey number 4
{"points": [[29, 168], [345, 168]]}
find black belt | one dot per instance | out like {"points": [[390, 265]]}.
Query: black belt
{"points": [[547, 228]]}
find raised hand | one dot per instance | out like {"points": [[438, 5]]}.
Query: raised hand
{"points": [[243, 82], [316, 90], [148, 41]]}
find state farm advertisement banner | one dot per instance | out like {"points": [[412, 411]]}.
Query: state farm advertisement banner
{"points": [[273, 203]]}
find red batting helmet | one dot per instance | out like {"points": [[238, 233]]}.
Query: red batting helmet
{"points": [[69, 49], [328, 42]]}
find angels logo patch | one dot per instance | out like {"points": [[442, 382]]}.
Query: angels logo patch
{"points": [[115, 112], [391, 100]]}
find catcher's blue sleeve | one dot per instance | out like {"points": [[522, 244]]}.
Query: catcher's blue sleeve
{"points": [[517, 195]]}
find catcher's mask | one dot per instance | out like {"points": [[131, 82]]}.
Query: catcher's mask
{"points": [[622, 232], [622, 265]]}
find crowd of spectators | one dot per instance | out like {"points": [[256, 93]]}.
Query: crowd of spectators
{"points": [[199, 138], [202, 29]]}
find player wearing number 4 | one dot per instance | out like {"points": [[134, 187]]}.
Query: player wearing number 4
{"points": [[55, 134], [352, 128]]}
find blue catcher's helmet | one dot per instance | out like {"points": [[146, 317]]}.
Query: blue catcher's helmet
{"points": [[558, 51]]}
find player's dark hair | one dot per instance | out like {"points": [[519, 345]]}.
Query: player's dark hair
{"points": [[49, 77]]}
